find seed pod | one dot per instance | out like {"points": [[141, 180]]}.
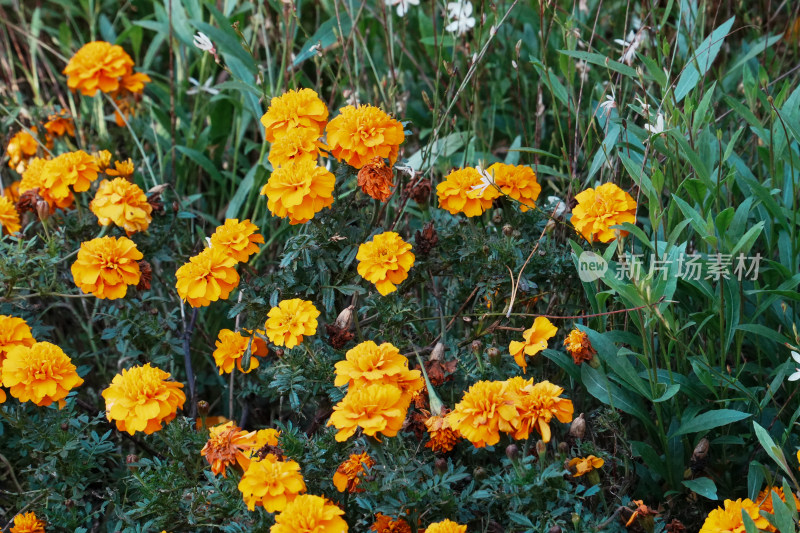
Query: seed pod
{"points": [[563, 448], [203, 407], [42, 210], [508, 229], [512, 451], [541, 447], [578, 427], [345, 318], [438, 352], [701, 450], [476, 346], [441, 465], [554, 529]]}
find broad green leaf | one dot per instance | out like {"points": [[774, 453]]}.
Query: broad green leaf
{"points": [[710, 420], [703, 486], [699, 64]]}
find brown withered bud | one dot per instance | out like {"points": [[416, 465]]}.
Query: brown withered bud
{"points": [[512, 452], [279, 352], [494, 355], [497, 216], [132, 458], [28, 200], [175, 207], [479, 473], [563, 448], [438, 352], [441, 465], [476, 346], [541, 448], [427, 100], [578, 427], [419, 191], [675, 526], [202, 408], [426, 239], [69, 504], [376, 179], [508, 230], [146, 276], [517, 48], [338, 337], [701, 450], [42, 210], [554, 529], [64, 426]]}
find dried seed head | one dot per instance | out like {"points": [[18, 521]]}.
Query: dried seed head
{"points": [[578, 427]]}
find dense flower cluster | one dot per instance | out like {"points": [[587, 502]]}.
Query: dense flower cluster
{"points": [[601, 208], [21, 149], [106, 266], [227, 445], [289, 321], [41, 373], [27, 523], [385, 261]]}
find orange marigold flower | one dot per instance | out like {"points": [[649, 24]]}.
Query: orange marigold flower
{"points": [[207, 277], [106, 266], [141, 398], [369, 363], [102, 159], [97, 65], [41, 374], [289, 321], [271, 483], [599, 209], [349, 474], [385, 261], [123, 169], [228, 444], [486, 409], [443, 437], [360, 134], [33, 178], [237, 239], [728, 519], [298, 190], [296, 143], [376, 179], [385, 524], [579, 347], [535, 341], [518, 182], [584, 465], [12, 191], [376, 408], [460, 192], [446, 526], [134, 82], [123, 203], [14, 332], [21, 149], [295, 109], [641, 512], [310, 514], [9, 218], [231, 347], [76, 169], [764, 501], [27, 523], [60, 124], [536, 405]]}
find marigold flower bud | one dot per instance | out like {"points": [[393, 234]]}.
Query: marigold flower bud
{"points": [[512, 452], [541, 448]]}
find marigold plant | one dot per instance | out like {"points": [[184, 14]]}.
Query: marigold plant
{"points": [[295, 144], [231, 347], [238, 240], [486, 409], [227, 445], [461, 192], [446, 526], [310, 514], [385, 261], [601, 208], [375, 408], [106, 266], [41, 373], [122, 203], [385, 524], [97, 65], [360, 134], [207, 277], [21, 148], [295, 109], [14, 332], [33, 180], [290, 321], [370, 363], [535, 340], [298, 190], [350, 473], [518, 182], [728, 518], [9, 217], [27, 523], [583, 465], [579, 347], [60, 124], [442, 436], [271, 483], [376, 179], [537, 404], [71, 169]]}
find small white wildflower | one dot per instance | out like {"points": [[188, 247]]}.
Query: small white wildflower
{"points": [[556, 206], [645, 105], [202, 87], [460, 15], [202, 42], [514, 64], [658, 127], [796, 375], [487, 180], [608, 104], [493, 30], [402, 5]]}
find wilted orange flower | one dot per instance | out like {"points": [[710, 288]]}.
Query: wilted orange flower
{"points": [[641, 512], [486, 409], [376, 179], [518, 182], [33, 178], [295, 109], [296, 143], [231, 347], [13, 332], [106, 266], [76, 169], [376, 408], [535, 341], [41, 374], [446, 526], [134, 82], [579, 347], [123, 203], [369, 363], [289, 321], [385, 524], [97, 65], [237, 239], [264, 437], [584, 465], [271, 483], [460, 192], [207, 277], [228, 444], [141, 398], [310, 514], [122, 169], [27, 523], [9, 218], [298, 190], [21, 149], [12, 191], [536, 405], [350, 472], [729, 519], [102, 159], [385, 261], [764, 501], [443, 437], [60, 124], [599, 209], [360, 134]]}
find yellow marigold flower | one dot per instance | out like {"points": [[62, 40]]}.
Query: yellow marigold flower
{"points": [[33, 178], [41, 374], [271, 483], [579, 347], [237, 239], [141, 398], [360, 134], [385, 261], [536, 405], [228, 444], [76, 169], [60, 124], [385, 524], [729, 518], [106, 266], [518, 182], [295, 109], [349, 474], [14, 332], [298, 190], [764, 501], [123, 203], [310, 514], [460, 192], [296, 143], [584, 465], [486, 409], [9, 218], [12, 191], [21, 149], [97, 65], [231, 347], [599, 209], [122, 169], [535, 341], [207, 277], [102, 159], [376, 408], [27, 523], [446, 526], [289, 321], [264, 437], [369, 363], [443, 437]]}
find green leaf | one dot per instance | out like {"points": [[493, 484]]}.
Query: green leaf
{"points": [[703, 486], [598, 385], [699, 64], [710, 420], [773, 450], [602, 61]]}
